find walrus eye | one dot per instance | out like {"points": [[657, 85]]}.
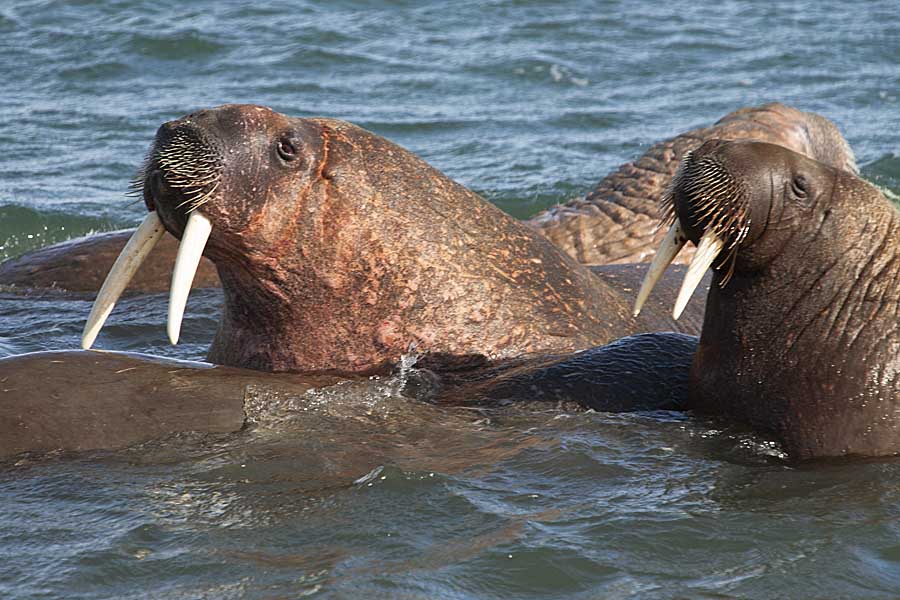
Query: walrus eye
{"points": [[799, 186], [286, 150]]}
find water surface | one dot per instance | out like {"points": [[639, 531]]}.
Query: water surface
{"points": [[361, 493]]}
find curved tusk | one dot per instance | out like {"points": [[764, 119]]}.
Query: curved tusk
{"points": [[133, 254], [193, 241], [707, 251], [665, 254]]}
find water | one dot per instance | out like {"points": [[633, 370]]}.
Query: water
{"points": [[371, 495]]}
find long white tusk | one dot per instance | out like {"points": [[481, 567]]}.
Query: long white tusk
{"points": [[133, 254], [665, 254], [707, 251], [193, 241]]}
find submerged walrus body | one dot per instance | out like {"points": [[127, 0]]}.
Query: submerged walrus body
{"points": [[801, 337]]}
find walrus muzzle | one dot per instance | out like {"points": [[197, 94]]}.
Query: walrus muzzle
{"points": [[706, 205], [183, 163]]}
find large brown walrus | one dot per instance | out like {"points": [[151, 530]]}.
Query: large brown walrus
{"points": [[801, 338], [613, 224], [338, 250]]}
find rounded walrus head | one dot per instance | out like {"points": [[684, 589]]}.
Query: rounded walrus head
{"points": [[800, 337], [339, 250]]}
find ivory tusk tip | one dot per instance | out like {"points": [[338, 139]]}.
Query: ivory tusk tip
{"points": [[665, 254], [133, 254], [190, 251]]}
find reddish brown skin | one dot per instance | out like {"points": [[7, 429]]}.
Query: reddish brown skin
{"points": [[802, 342], [617, 222], [359, 252]]}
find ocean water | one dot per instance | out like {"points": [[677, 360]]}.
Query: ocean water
{"points": [[368, 494]]}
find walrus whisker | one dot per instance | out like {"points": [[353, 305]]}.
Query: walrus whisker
{"points": [[135, 252], [199, 198], [718, 206], [190, 251]]}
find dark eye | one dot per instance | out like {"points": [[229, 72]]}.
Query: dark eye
{"points": [[286, 150], [799, 186]]}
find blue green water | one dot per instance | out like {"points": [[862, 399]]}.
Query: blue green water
{"points": [[528, 103]]}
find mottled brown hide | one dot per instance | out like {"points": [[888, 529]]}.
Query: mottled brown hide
{"points": [[355, 252]]}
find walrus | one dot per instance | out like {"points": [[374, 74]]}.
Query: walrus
{"points": [[616, 223], [613, 224], [340, 251], [76, 400], [800, 338]]}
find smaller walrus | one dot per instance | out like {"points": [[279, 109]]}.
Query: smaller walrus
{"points": [[800, 339]]}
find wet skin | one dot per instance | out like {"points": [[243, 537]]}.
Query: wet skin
{"points": [[353, 251], [341, 258]]}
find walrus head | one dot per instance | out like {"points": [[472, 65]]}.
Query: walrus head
{"points": [[800, 336], [237, 166], [339, 250], [717, 202]]}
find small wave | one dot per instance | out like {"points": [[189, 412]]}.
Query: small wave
{"points": [[23, 229], [8, 347], [375, 396], [885, 174], [97, 71], [180, 46]]}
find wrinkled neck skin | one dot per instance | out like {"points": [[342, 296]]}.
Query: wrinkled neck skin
{"points": [[808, 349], [385, 256]]}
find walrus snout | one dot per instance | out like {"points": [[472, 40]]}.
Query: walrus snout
{"points": [[705, 194], [707, 204]]}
